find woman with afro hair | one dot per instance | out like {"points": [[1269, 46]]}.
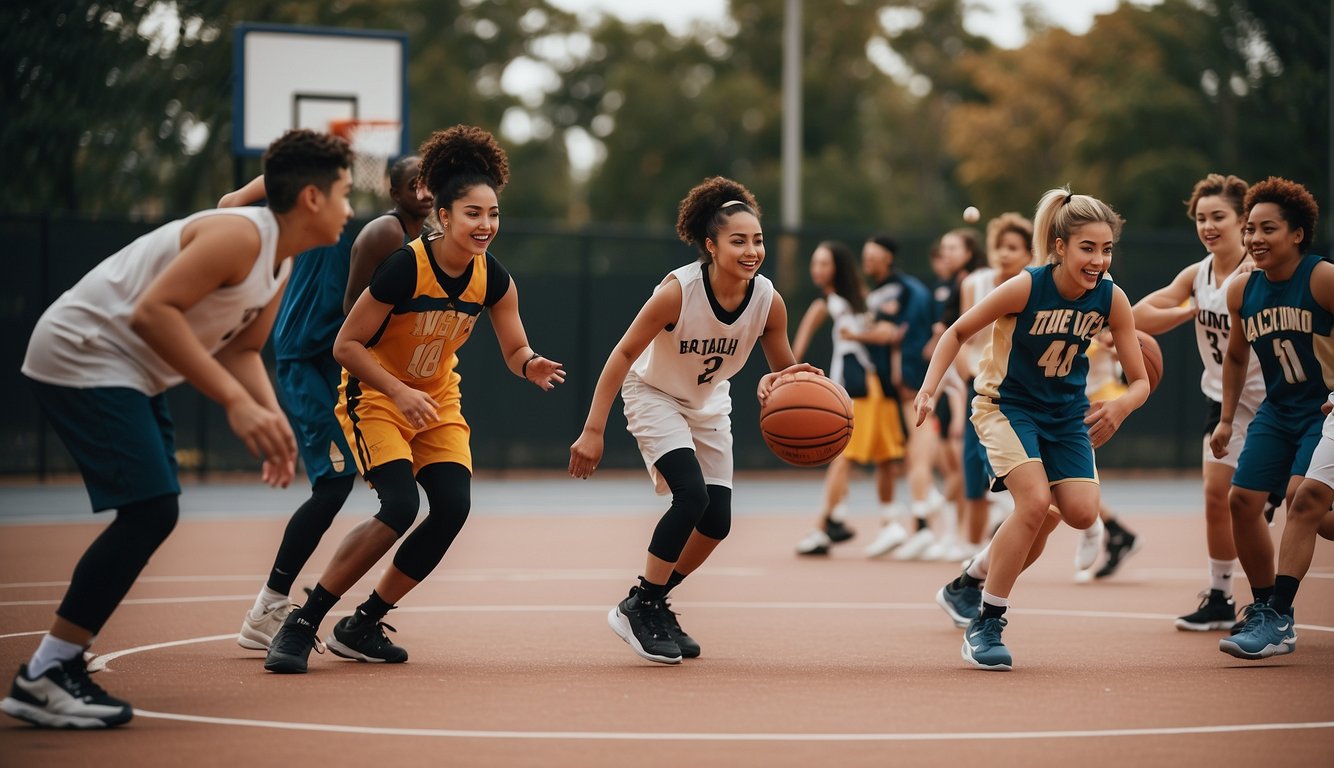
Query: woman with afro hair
{"points": [[672, 368], [399, 398]]}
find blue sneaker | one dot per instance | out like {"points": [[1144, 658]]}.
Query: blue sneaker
{"points": [[982, 646], [1267, 633], [963, 604]]}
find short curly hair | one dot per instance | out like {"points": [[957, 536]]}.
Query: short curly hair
{"points": [[708, 206], [298, 159], [1295, 203], [1230, 188], [459, 158]]}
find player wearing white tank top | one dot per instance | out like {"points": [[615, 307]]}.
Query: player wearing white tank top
{"points": [[1198, 293], [191, 301], [672, 366]]}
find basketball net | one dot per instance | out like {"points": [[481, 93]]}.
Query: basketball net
{"points": [[373, 143]]}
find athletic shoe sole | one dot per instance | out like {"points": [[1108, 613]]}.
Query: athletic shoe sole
{"points": [[1228, 646], [348, 652], [44, 719], [959, 620], [252, 639], [1208, 626], [967, 653], [621, 626]]}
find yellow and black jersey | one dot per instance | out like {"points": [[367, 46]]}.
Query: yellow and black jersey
{"points": [[433, 315]]}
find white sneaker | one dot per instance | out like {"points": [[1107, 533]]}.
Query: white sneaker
{"points": [[1090, 544], [891, 535], [940, 549], [815, 543], [258, 631], [915, 546]]}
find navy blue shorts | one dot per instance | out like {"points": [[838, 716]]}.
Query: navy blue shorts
{"points": [[1275, 452], [122, 440], [308, 389]]}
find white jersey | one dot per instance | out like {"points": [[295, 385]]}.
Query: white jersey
{"points": [[1211, 333], [84, 339], [692, 361], [843, 315], [983, 282]]}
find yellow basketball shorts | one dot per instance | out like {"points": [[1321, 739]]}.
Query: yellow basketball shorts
{"points": [[379, 434], [877, 427]]}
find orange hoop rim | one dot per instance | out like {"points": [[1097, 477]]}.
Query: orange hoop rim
{"points": [[346, 128]]}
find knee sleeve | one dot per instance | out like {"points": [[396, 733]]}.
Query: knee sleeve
{"points": [[397, 490], [113, 561], [717, 520], [690, 498], [449, 494]]}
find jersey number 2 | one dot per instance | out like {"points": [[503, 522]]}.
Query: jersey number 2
{"points": [[711, 366]]}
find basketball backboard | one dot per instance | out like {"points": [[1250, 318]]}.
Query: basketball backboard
{"points": [[306, 77]]}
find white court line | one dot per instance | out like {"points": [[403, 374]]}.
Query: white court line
{"points": [[23, 634], [687, 736]]}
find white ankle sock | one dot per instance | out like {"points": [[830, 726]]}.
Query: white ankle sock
{"points": [[266, 599], [839, 513], [51, 652], [1220, 576], [980, 564], [990, 599]]}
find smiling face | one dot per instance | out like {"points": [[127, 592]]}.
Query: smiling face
{"points": [[1086, 255], [739, 250], [1270, 240], [1218, 225], [472, 221]]}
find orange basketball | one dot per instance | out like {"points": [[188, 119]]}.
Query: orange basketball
{"points": [[1153, 359], [807, 419]]}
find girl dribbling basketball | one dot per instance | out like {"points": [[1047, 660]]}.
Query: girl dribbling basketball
{"points": [[672, 368]]}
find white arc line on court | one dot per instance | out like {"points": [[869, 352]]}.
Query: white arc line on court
{"points": [[648, 736]]}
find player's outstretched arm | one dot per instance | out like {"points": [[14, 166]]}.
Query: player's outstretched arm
{"points": [[1162, 310], [242, 358], [521, 359]]}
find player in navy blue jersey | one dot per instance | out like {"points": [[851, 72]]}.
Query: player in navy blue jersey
{"points": [[1284, 310], [1031, 411]]}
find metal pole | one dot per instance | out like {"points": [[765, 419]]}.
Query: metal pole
{"points": [[791, 183]]}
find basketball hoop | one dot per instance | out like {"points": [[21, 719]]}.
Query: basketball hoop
{"points": [[373, 143]]}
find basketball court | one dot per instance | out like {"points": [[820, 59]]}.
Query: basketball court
{"points": [[840, 659]]}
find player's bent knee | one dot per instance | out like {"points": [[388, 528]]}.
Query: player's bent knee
{"points": [[716, 521]]}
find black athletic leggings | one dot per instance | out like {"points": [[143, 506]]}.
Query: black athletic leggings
{"points": [[306, 528], [695, 506], [448, 489], [113, 561]]}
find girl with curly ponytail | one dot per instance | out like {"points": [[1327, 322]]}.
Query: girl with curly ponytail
{"points": [[672, 368]]}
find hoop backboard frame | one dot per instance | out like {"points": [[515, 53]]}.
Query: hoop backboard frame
{"points": [[305, 77]]}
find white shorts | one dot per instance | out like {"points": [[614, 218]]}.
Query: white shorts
{"points": [[1322, 462], [661, 425], [1241, 422]]}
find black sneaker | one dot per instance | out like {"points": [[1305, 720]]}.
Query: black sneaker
{"points": [[64, 697], [1217, 611], [362, 638], [642, 624], [689, 648], [1119, 549], [837, 531], [1271, 505], [291, 646]]}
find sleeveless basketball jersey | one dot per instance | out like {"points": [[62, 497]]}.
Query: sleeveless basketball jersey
{"points": [[312, 306], [841, 312], [1037, 357], [707, 345], [1290, 333], [418, 340], [1212, 325], [84, 339]]}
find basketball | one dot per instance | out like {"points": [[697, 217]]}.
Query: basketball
{"points": [[807, 419], [1153, 359]]}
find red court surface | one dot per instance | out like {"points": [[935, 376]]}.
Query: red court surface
{"points": [[831, 661]]}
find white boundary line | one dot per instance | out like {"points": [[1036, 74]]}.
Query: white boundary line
{"points": [[689, 736]]}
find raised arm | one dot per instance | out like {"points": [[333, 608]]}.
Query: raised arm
{"points": [[252, 192], [1169, 306]]}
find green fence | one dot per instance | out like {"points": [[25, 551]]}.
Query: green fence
{"points": [[578, 291]]}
